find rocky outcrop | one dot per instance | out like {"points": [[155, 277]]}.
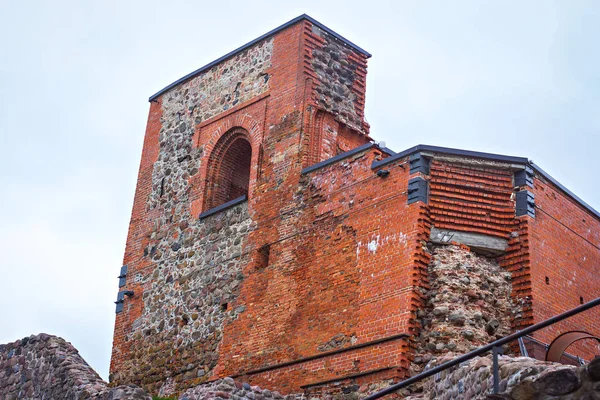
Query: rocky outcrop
{"points": [[48, 367], [521, 378]]}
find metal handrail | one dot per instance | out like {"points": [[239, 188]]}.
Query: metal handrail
{"points": [[534, 341], [494, 346]]}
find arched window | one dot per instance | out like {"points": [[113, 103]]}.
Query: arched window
{"points": [[228, 174]]}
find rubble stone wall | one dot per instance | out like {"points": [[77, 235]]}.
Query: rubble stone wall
{"points": [[468, 304], [190, 289], [227, 388], [48, 367], [227, 84], [341, 73]]}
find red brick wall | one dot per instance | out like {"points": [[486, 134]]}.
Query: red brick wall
{"points": [[136, 238], [517, 262], [346, 274], [566, 251]]}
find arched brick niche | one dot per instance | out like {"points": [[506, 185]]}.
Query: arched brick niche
{"points": [[228, 174]]}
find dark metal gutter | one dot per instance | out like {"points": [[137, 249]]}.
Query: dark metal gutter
{"points": [[255, 41], [325, 354], [565, 190], [449, 151]]}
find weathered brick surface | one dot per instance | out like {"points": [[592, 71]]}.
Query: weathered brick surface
{"points": [[471, 198]]}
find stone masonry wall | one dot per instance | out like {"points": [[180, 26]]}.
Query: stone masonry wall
{"points": [[47, 367], [314, 263], [185, 272], [227, 84], [187, 302], [232, 82], [341, 73], [468, 304]]}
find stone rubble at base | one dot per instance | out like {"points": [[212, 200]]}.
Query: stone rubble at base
{"points": [[521, 378], [48, 367]]}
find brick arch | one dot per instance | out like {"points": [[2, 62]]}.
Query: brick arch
{"points": [[229, 168], [316, 138], [244, 121]]}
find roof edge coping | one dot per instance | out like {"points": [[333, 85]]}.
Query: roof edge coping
{"points": [[252, 43], [449, 151], [566, 191], [488, 156]]}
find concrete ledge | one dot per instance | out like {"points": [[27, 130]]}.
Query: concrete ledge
{"points": [[255, 41], [479, 243], [223, 206]]}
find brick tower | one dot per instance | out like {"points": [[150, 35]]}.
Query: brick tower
{"points": [[271, 239]]}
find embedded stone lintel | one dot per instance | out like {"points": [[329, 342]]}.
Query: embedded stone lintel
{"points": [[479, 243]]}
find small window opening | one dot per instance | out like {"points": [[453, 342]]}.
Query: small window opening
{"points": [[580, 300], [262, 259], [228, 169], [547, 281], [224, 306]]}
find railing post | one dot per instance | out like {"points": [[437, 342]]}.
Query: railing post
{"points": [[495, 352], [522, 347]]}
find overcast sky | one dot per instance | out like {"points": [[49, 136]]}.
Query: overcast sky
{"points": [[517, 78]]}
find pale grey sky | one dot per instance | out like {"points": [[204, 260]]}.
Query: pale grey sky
{"points": [[510, 77]]}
